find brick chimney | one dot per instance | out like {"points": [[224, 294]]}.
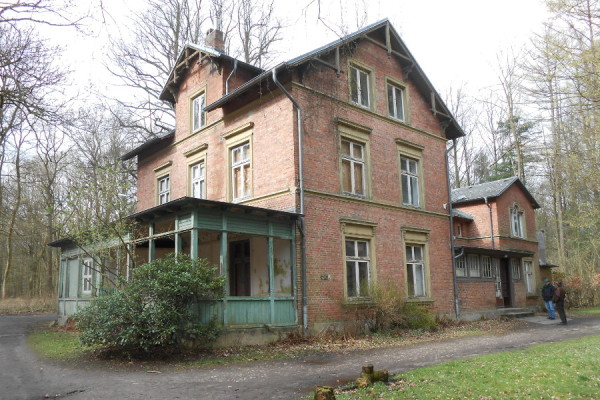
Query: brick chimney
{"points": [[214, 39]]}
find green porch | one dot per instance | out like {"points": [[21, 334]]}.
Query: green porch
{"points": [[253, 247]]}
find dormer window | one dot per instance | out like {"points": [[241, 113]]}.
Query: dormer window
{"points": [[198, 113], [517, 222]]}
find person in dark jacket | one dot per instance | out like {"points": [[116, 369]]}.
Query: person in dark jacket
{"points": [[559, 301], [548, 296]]}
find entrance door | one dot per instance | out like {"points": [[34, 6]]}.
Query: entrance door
{"points": [[239, 268], [505, 288]]}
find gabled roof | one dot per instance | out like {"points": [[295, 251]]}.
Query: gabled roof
{"points": [[394, 46], [184, 62], [489, 190]]}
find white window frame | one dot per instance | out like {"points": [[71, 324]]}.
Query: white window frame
{"points": [[473, 266], [394, 92], [517, 222], [354, 263], [461, 266], [354, 162], [410, 181], [198, 180], [198, 113], [362, 97], [417, 267], [529, 278], [87, 274], [487, 267], [164, 189], [244, 166]]}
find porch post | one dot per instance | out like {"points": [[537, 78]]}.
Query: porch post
{"points": [[271, 277], [194, 245], [151, 246], [223, 266]]}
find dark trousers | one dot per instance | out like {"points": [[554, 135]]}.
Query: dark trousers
{"points": [[560, 307]]}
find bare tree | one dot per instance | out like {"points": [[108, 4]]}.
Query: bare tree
{"points": [[144, 60], [258, 30]]}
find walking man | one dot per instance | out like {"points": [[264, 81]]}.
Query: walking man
{"points": [[559, 301], [548, 296]]}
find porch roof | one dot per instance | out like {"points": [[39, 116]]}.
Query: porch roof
{"points": [[495, 252], [189, 203]]}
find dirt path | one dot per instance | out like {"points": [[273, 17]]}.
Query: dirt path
{"points": [[287, 379]]}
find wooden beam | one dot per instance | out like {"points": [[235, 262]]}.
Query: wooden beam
{"points": [[383, 46], [388, 41], [334, 67]]}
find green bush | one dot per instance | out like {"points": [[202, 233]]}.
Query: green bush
{"points": [[152, 313]]}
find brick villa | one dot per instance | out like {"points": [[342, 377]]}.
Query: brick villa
{"points": [[311, 181]]}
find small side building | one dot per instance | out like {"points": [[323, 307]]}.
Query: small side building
{"points": [[497, 263]]}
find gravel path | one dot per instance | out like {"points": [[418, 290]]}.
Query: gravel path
{"points": [[22, 376]]}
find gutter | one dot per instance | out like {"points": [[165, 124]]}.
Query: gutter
{"points": [[454, 257], [235, 65], [485, 199], [301, 220]]}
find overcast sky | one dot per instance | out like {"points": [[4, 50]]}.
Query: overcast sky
{"points": [[454, 41]]}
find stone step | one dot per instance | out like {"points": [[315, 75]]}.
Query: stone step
{"points": [[515, 312]]}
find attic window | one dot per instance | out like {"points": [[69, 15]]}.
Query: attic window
{"points": [[198, 113], [516, 222], [360, 87]]}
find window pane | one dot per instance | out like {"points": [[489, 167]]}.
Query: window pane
{"points": [[363, 278], [391, 104], [404, 164], [358, 179], [195, 114], [350, 250], [364, 88], [418, 253], [412, 166], [345, 147], [399, 113], [202, 113], [346, 176], [405, 189], [410, 279], [357, 151], [354, 84], [237, 182], [351, 278], [362, 249], [419, 280], [246, 188], [414, 191]]}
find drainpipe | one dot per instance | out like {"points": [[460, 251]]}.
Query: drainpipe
{"points": [[235, 64], [491, 221], [450, 211], [301, 224]]}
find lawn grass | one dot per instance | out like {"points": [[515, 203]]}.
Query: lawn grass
{"points": [[565, 370], [56, 345], [21, 305], [584, 311]]}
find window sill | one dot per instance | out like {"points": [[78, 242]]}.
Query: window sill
{"points": [[355, 196], [358, 302], [424, 300], [533, 296]]}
